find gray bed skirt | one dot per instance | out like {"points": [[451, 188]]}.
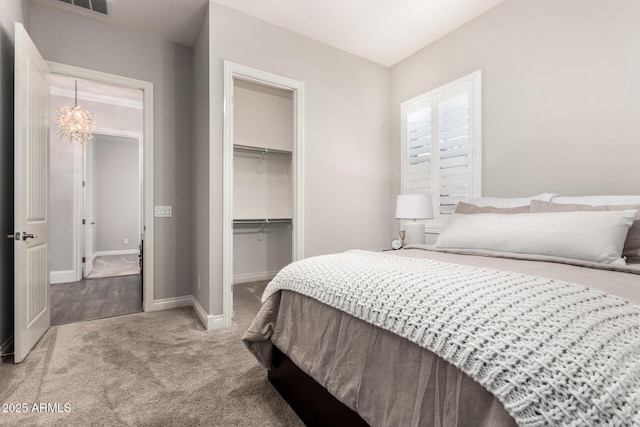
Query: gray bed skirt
{"points": [[386, 379]]}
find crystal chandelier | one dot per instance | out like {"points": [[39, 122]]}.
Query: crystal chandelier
{"points": [[75, 123]]}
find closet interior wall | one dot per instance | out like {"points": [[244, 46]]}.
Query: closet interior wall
{"points": [[262, 180]]}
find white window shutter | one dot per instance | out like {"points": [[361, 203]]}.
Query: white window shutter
{"points": [[420, 149], [441, 145], [454, 148]]}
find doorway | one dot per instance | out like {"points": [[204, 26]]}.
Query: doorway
{"points": [[110, 201], [32, 225], [111, 188], [271, 216]]}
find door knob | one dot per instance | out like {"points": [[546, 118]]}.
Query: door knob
{"points": [[14, 236], [26, 236]]}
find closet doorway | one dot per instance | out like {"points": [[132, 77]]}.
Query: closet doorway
{"points": [[263, 188], [100, 199]]}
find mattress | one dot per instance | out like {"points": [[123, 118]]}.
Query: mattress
{"points": [[387, 379]]}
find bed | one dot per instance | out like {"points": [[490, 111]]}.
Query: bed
{"points": [[341, 359]]}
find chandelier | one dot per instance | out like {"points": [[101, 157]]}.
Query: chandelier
{"points": [[75, 123]]}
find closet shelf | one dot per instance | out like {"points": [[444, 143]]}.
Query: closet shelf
{"points": [[263, 221], [259, 149]]}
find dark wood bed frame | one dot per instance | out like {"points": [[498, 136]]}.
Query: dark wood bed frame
{"points": [[312, 402]]}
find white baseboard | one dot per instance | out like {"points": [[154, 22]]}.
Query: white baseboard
{"points": [[169, 303], [65, 276], [117, 252], [6, 345], [209, 321], [256, 277]]}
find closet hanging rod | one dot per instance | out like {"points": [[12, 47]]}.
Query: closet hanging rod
{"points": [[263, 221], [260, 149]]}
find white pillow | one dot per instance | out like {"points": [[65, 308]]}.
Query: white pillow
{"points": [[509, 202], [588, 236], [596, 200]]}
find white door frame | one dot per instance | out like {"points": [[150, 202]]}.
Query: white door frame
{"points": [[147, 162], [234, 70], [78, 199]]}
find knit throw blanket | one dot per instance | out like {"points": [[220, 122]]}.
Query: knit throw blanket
{"points": [[554, 353]]}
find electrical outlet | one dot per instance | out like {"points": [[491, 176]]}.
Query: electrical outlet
{"points": [[126, 241], [198, 281]]}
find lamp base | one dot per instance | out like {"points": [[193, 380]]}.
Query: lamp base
{"points": [[414, 233]]}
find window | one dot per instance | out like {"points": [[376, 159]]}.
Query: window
{"points": [[441, 146]]}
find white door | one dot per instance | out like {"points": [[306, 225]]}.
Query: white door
{"points": [[31, 175], [88, 216]]}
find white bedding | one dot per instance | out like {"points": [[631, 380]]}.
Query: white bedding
{"points": [[553, 352], [587, 236]]}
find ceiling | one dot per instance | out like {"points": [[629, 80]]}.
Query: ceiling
{"points": [[175, 20], [383, 31]]}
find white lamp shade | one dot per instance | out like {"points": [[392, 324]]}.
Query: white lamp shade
{"points": [[414, 206]]}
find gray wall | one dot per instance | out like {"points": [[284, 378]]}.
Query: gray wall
{"points": [[116, 193], [560, 95], [11, 11], [259, 252], [61, 191], [346, 131], [61, 183], [200, 165], [71, 39]]}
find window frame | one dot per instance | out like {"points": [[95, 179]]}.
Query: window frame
{"points": [[435, 225]]}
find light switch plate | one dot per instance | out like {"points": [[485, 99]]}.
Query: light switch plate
{"points": [[162, 211]]}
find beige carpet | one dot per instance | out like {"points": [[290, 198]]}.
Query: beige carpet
{"points": [[147, 369]]}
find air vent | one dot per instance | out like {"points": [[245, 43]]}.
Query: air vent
{"points": [[99, 6]]}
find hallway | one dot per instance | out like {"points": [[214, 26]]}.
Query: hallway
{"points": [[95, 299]]}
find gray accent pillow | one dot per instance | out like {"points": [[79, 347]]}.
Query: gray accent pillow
{"points": [[469, 209], [631, 249]]}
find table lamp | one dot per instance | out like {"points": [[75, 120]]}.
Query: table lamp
{"points": [[414, 206]]}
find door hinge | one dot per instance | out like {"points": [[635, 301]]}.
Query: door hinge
{"points": [[84, 221], [84, 259], [84, 184]]}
